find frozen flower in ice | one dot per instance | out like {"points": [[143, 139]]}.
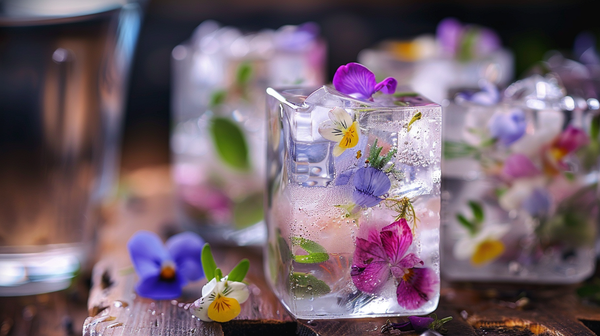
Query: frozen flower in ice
{"points": [[519, 190], [370, 185], [488, 95], [341, 129], [449, 32], [164, 271], [357, 81], [538, 203], [221, 296], [220, 300], [508, 127], [482, 247], [519, 165], [570, 140], [383, 254], [466, 42]]}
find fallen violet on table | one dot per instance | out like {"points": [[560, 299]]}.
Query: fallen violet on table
{"points": [[418, 324], [222, 295], [164, 269]]}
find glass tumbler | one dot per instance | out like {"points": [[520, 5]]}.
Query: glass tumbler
{"points": [[353, 227], [63, 77], [520, 181]]}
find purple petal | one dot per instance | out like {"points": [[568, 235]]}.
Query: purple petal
{"points": [[387, 86], [487, 42], [508, 127], [370, 267], [519, 165], [571, 139], [185, 249], [420, 324], [416, 288], [355, 80], [344, 178], [157, 289], [147, 253], [396, 238], [449, 32], [370, 183], [409, 261], [537, 203], [488, 95]]}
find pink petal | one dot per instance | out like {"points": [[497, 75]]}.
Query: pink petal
{"points": [[370, 278], [409, 261], [571, 139], [519, 165], [355, 80], [417, 288], [387, 86], [396, 238], [367, 252]]}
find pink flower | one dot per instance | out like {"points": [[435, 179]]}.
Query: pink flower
{"points": [[385, 253], [519, 165], [570, 140]]}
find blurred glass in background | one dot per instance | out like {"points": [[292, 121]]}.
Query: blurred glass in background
{"points": [[64, 68]]}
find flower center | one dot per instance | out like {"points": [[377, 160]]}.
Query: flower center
{"points": [[167, 271], [350, 138], [224, 309], [408, 274]]}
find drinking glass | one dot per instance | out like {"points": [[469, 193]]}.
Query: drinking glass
{"points": [[63, 78], [353, 227]]}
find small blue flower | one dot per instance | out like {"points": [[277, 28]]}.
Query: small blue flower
{"points": [[370, 184], [508, 127], [163, 271], [538, 203]]}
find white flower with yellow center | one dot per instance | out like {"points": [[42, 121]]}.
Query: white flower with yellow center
{"points": [[340, 129], [220, 300], [483, 247]]}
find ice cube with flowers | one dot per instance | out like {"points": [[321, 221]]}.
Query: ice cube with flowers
{"points": [[520, 176], [353, 198]]}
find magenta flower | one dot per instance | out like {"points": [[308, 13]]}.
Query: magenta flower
{"points": [[385, 253], [357, 81], [163, 271], [570, 140], [519, 165], [370, 184], [508, 127]]}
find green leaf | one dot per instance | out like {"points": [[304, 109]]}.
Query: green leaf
{"points": [[218, 274], [454, 150], [467, 44], [248, 211], [405, 94], [244, 73], [316, 252], [208, 262], [230, 143], [238, 273], [415, 118], [306, 285], [466, 223], [217, 98], [477, 210], [595, 127], [284, 249]]}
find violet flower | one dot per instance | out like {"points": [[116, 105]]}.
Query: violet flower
{"points": [[357, 81], [418, 324], [370, 184], [508, 127], [537, 204], [384, 254], [163, 271], [518, 166], [570, 140], [449, 32], [488, 95]]}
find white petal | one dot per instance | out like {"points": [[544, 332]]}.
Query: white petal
{"points": [[200, 309], [492, 232], [340, 116], [239, 291], [337, 150], [464, 248], [209, 287], [331, 132]]}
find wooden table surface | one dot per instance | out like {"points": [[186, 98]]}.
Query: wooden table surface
{"points": [[102, 302]]}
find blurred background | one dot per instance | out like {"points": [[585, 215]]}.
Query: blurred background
{"points": [[530, 28]]}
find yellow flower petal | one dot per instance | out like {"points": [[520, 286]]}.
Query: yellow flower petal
{"points": [[350, 138], [224, 309], [487, 251]]}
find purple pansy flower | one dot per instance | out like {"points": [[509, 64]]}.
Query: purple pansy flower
{"points": [[519, 165], [385, 253], [488, 95], [357, 81], [571, 139], [538, 203], [164, 270], [508, 127], [370, 184], [449, 32]]}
